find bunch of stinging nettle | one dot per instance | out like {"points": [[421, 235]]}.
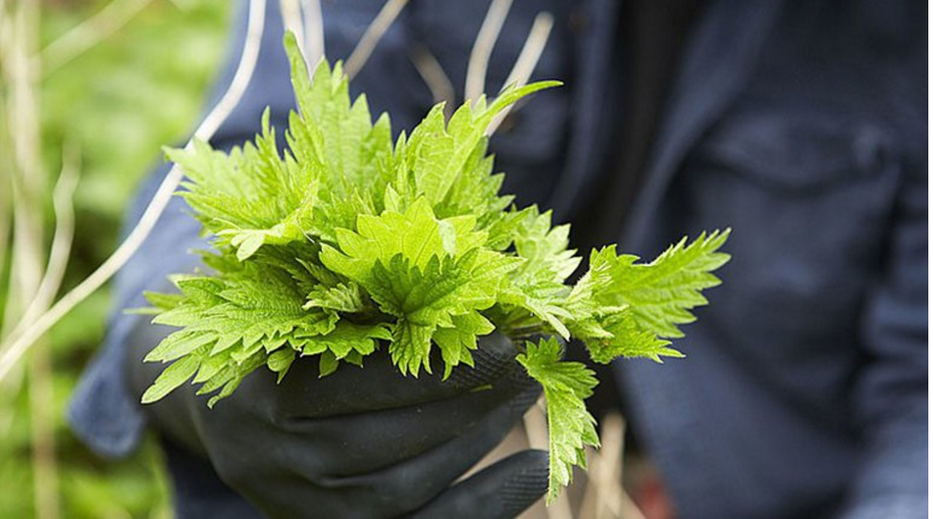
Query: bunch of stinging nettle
{"points": [[350, 242]]}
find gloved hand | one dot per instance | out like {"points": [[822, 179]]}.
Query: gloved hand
{"points": [[360, 443]]}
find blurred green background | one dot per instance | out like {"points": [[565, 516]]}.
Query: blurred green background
{"points": [[141, 84]]}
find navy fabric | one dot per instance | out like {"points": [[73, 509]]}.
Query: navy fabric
{"points": [[801, 125]]}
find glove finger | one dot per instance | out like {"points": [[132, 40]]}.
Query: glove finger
{"points": [[501, 491], [379, 385], [408, 484], [365, 442]]}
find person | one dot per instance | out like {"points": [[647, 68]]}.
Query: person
{"points": [[800, 125]]}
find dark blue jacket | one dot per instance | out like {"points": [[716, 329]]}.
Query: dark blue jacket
{"points": [[801, 125]]}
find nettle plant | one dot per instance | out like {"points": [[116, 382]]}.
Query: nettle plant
{"points": [[349, 243]]}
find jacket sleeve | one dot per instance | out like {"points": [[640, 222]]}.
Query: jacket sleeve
{"points": [[891, 391], [102, 412]]}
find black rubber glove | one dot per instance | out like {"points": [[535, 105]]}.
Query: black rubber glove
{"points": [[362, 442]]}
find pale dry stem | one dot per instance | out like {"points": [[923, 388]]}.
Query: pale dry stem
{"points": [[314, 33], [304, 20], [526, 62], [28, 184], [376, 30], [89, 33], [62, 200], [293, 20], [12, 351], [431, 71], [482, 48]]}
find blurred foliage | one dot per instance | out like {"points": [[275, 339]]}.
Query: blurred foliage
{"points": [[136, 90]]}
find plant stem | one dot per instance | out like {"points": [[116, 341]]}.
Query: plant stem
{"points": [[431, 71], [369, 40], [482, 49], [314, 32], [89, 33], [12, 350], [526, 62], [28, 185]]}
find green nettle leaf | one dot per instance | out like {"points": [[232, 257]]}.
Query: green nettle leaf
{"points": [[566, 385], [458, 340], [173, 376], [346, 243], [623, 308]]}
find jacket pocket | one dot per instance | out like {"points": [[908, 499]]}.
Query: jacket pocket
{"points": [[797, 153], [809, 198]]}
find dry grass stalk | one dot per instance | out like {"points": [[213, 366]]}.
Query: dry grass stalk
{"points": [[9, 387], [304, 19], [60, 252], [369, 40], [42, 431], [431, 71], [294, 21], [41, 391], [482, 48], [314, 32], [28, 184], [12, 351], [89, 33], [526, 62]]}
